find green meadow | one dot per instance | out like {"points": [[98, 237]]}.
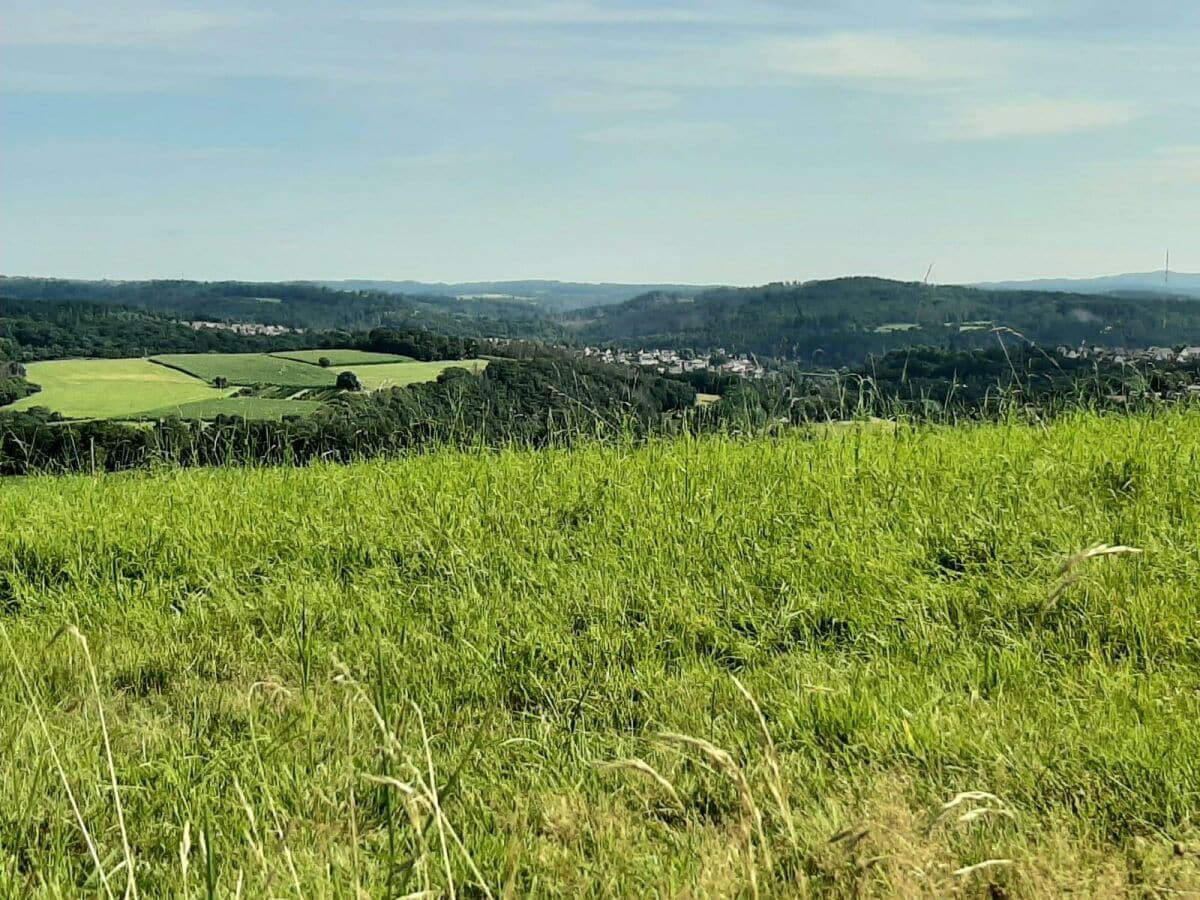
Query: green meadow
{"points": [[381, 377], [246, 407], [853, 662], [111, 388]]}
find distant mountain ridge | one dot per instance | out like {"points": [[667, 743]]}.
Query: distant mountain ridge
{"points": [[546, 294], [1183, 284]]}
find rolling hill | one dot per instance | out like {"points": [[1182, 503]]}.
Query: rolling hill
{"points": [[842, 321], [1180, 284]]}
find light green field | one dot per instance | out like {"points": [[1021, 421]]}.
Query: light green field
{"points": [[249, 369], [246, 407], [110, 388], [343, 357], [524, 671], [380, 377]]}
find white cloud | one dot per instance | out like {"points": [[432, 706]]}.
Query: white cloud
{"points": [[110, 27], [880, 57], [1036, 116], [614, 101]]}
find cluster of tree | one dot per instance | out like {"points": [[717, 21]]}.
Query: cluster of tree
{"points": [[531, 402], [13, 385], [294, 305], [419, 344], [839, 323]]}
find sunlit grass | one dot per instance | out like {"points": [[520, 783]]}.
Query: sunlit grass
{"points": [[860, 661]]}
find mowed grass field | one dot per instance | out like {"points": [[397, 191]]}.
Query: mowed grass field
{"points": [[342, 357], [249, 369], [381, 377], [111, 388], [856, 663]]}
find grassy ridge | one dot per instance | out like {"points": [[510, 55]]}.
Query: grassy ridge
{"points": [[285, 656]]}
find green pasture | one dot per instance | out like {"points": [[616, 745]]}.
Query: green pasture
{"points": [[342, 357], [111, 388], [852, 662]]}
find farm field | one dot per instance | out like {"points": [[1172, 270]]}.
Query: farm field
{"points": [[380, 377], [246, 407], [342, 357], [855, 662], [249, 369], [110, 388]]}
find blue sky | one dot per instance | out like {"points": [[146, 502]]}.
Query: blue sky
{"points": [[703, 141]]}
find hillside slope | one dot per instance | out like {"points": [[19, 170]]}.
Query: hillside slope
{"points": [[841, 321], [524, 670], [545, 294]]}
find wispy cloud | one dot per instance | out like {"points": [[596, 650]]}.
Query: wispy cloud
{"points": [[111, 27], [669, 132], [973, 11], [1172, 166], [570, 13], [882, 57], [614, 101], [1036, 116], [448, 156]]}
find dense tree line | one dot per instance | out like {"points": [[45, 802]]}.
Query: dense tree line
{"points": [[531, 402], [832, 324], [33, 330], [931, 383]]}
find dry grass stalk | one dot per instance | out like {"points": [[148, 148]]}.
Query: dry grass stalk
{"points": [[93, 851], [752, 817], [775, 782], [1067, 571], [980, 866], [640, 765], [131, 876], [185, 856], [995, 806]]}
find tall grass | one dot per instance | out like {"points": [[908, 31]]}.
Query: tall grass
{"points": [[880, 661]]}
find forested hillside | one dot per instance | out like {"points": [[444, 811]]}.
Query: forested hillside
{"points": [[293, 305], [840, 322], [31, 330], [548, 295]]}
